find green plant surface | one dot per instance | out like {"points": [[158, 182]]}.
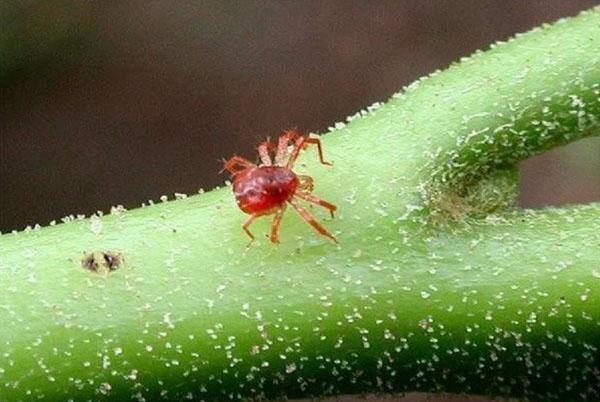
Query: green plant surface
{"points": [[438, 283]]}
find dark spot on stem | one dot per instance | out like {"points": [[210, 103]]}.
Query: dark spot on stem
{"points": [[102, 261]]}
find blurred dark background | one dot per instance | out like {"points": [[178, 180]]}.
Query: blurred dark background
{"points": [[106, 103]]}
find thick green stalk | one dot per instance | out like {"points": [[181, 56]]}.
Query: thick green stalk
{"points": [[436, 285]]}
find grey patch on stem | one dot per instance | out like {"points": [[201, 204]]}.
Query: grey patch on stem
{"points": [[102, 261]]}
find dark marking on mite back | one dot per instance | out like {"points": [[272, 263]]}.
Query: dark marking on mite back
{"points": [[102, 261]]}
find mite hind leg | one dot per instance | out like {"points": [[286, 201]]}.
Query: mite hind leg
{"points": [[311, 220], [317, 201], [245, 226], [305, 184], [276, 223]]}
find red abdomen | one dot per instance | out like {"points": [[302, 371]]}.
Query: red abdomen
{"points": [[264, 188]]}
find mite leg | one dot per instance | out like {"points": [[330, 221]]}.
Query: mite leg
{"points": [[316, 200], [236, 161], [263, 151], [302, 143], [276, 223], [282, 145], [310, 219], [245, 225], [306, 184], [317, 142]]}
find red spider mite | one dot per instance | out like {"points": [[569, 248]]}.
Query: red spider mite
{"points": [[267, 188]]}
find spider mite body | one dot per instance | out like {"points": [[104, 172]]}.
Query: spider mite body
{"points": [[264, 188], [269, 187]]}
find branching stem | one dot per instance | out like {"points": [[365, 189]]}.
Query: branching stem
{"points": [[494, 300]]}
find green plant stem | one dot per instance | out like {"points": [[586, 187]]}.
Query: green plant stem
{"points": [[438, 284]]}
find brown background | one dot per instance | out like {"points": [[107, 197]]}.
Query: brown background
{"points": [[107, 103]]}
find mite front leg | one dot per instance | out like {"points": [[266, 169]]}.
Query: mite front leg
{"points": [[236, 161], [276, 223], [317, 142], [317, 201], [282, 145], [302, 143], [310, 219], [263, 151]]}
